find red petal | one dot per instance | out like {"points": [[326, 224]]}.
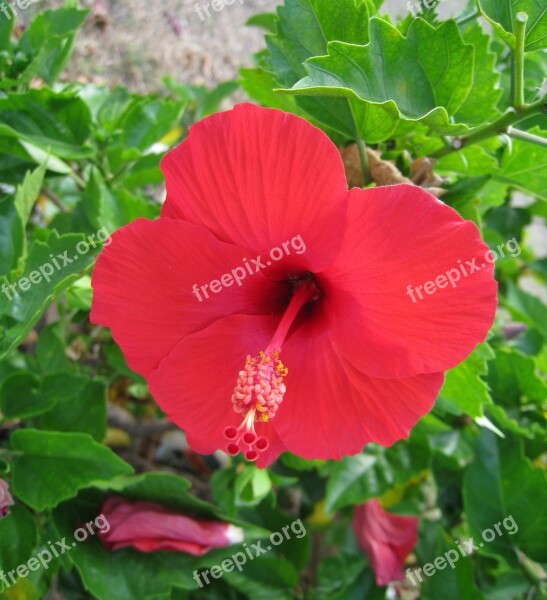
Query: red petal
{"points": [[259, 177], [331, 409], [401, 236], [143, 287], [195, 384], [387, 539]]}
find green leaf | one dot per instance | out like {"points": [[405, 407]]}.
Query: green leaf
{"points": [[513, 377], [269, 578], [265, 21], [355, 479], [21, 308], [6, 30], [13, 219], [524, 166], [501, 13], [252, 486], [78, 405], [501, 484], [468, 376], [18, 538], [50, 39], [480, 106], [112, 209], [20, 396], [46, 46], [447, 583], [51, 349], [56, 123], [376, 76], [53, 467], [304, 27], [527, 308], [147, 120]]}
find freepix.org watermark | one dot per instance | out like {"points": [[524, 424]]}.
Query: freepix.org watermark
{"points": [[251, 267], [453, 276], [44, 557], [239, 559], [464, 548], [57, 263], [216, 5], [9, 9]]}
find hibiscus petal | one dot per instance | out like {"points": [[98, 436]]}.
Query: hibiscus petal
{"points": [[143, 287], [331, 409], [259, 177], [387, 539], [194, 385], [401, 236]]}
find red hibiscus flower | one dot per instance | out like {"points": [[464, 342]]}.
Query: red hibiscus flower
{"points": [[268, 306], [148, 527], [385, 538], [5, 499]]}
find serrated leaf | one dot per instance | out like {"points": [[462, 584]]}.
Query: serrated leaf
{"points": [[51, 467], [424, 77], [303, 29], [501, 13]]}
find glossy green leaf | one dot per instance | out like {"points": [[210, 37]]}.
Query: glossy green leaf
{"points": [[52, 467]]}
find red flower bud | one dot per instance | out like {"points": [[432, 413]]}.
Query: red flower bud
{"points": [[147, 527], [385, 538]]}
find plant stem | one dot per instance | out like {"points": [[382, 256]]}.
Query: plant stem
{"points": [[499, 126], [518, 60], [55, 200], [527, 137], [364, 161], [362, 149]]}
